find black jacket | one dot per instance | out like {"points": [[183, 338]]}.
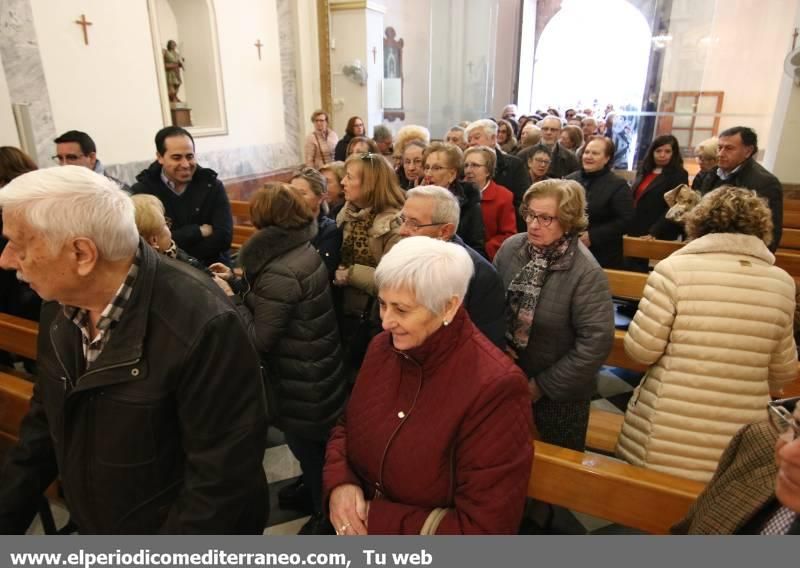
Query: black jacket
{"points": [[340, 152], [290, 317], [651, 208], [512, 173], [328, 242], [610, 208], [166, 430], [562, 162], [485, 300], [203, 202], [753, 175], [470, 223]]}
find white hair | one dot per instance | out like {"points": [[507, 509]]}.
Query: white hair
{"points": [[488, 126], [435, 271], [445, 205], [73, 201]]}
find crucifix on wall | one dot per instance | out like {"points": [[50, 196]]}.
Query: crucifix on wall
{"points": [[259, 45], [84, 23], [374, 55]]}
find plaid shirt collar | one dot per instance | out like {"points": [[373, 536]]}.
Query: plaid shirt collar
{"points": [[108, 319]]}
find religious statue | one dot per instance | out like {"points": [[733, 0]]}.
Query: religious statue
{"points": [[173, 63]]}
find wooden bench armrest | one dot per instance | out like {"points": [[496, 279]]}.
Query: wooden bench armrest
{"points": [[18, 335]]}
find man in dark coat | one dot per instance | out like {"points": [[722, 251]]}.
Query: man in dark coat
{"points": [[432, 211], [737, 166], [194, 199], [148, 402], [509, 171], [562, 161]]}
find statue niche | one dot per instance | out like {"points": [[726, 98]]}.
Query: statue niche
{"points": [[392, 76]]}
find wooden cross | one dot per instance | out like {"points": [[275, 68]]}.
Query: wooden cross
{"points": [[259, 45], [84, 23], [374, 54]]}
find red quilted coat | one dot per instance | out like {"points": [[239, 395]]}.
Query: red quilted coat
{"points": [[446, 424], [499, 219]]}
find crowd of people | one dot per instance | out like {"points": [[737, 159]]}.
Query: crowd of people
{"points": [[410, 313]]}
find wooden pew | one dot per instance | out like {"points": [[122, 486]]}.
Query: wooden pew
{"points": [[624, 494], [621, 493], [18, 336], [658, 250]]}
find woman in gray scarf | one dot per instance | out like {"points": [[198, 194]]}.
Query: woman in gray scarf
{"points": [[558, 308]]}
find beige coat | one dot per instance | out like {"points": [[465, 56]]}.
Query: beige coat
{"points": [[715, 323]]}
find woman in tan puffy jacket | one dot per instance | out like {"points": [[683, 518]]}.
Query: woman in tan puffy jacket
{"points": [[715, 324]]}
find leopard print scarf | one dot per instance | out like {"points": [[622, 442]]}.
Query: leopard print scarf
{"points": [[355, 248]]}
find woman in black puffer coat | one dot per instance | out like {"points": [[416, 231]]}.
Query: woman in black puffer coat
{"points": [[285, 300]]}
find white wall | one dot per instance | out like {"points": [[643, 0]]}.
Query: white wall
{"points": [[8, 128], [108, 88], [735, 46], [308, 76]]}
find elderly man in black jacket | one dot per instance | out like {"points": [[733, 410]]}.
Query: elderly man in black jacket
{"points": [[509, 171], [562, 161], [193, 197], [148, 401], [737, 166], [432, 211]]}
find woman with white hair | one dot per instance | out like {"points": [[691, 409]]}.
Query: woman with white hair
{"points": [[402, 462]]}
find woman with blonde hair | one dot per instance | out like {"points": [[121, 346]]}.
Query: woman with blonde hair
{"points": [[369, 222], [321, 143], [715, 327], [334, 173], [154, 228], [558, 308], [706, 155]]}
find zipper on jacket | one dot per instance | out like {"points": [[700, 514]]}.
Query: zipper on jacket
{"points": [[402, 420]]}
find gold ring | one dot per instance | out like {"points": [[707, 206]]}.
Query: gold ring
{"points": [[344, 528]]}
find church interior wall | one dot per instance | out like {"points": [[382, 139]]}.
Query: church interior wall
{"points": [[308, 62], [737, 47], [8, 130]]}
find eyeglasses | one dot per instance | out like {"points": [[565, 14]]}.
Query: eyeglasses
{"points": [[433, 168], [322, 120], [60, 159], [471, 165], [368, 156], [781, 417], [414, 162], [414, 225], [530, 217], [542, 161], [549, 128]]}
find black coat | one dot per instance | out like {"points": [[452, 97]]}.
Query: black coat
{"points": [[651, 207], [340, 152], [753, 175], [512, 173], [562, 162], [485, 300], [328, 243], [289, 314], [470, 224], [610, 208], [203, 202], [166, 430]]}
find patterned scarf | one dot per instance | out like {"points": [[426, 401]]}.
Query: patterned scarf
{"points": [[355, 247], [525, 288]]}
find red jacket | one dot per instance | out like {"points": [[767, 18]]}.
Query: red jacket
{"points": [[454, 404], [499, 220]]}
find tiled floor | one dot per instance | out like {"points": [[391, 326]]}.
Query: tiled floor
{"points": [[615, 387]]}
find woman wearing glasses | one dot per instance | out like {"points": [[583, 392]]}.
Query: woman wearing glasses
{"points": [[706, 156], [560, 318], [497, 202], [539, 159], [321, 143], [715, 325], [369, 223], [442, 167]]}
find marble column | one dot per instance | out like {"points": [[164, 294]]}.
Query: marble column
{"points": [[22, 65]]}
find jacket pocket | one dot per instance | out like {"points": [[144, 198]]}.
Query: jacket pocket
{"points": [[124, 433]]}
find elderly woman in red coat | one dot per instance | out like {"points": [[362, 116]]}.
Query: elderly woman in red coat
{"points": [[436, 437]]}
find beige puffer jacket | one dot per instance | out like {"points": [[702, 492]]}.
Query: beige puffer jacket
{"points": [[715, 323]]}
